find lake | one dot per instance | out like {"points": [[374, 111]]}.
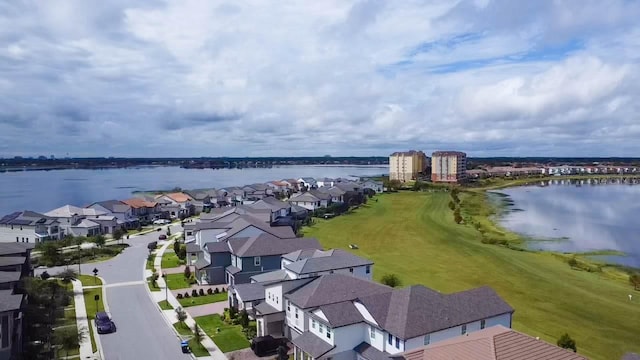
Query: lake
{"points": [[46, 190], [574, 218]]}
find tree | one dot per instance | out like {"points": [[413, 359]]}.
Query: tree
{"points": [[168, 231], [244, 319], [79, 240], [182, 253], [50, 254], [417, 186], [566, 342], [573, 262], [68, 338], [181, 315], [187, 272], [391, 280], [283, 353], [118, 234], [452, 205], [634, 279], [66, 276], [176, 247], [197, 334], [100, 240], [45, 275]]}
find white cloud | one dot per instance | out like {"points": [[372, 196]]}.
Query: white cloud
{"points": [[198, 78]]}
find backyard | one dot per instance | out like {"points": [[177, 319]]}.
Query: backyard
{"points": [[413, 235], [229, 338]]}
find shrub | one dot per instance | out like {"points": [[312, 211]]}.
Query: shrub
{"points": [[201, 292], [194, 293], [452, 205], [223, 290], [176, 247], [216, 291], [179, 296], [209, 291], [634, 279], [187, 272], [391, 280], [567, 342], [573, 262], [182, 252], [186, 295]]}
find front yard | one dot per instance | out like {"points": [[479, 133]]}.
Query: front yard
{"points": [[177, 281], [201, 300], [187, 333], [170, 260], [229, 338]]}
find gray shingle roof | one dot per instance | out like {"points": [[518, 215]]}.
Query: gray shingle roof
{"points": [[217, 247], [9, 276], [301, 254], [267, 244], [304, 197], [232, 270], [312, 344], [631, 356], [27, 218], [341, 314], [320, 195], [334, 288], [202, 264], [249, 292], [271, 276], [417, 310], [193, 247], [332, 260], [115, 206], [9, 301], [12, 260], [12, 248], [270, 203], [370, 352], [265, 309], [244, 221]]}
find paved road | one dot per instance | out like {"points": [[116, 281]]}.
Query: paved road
{"points": [[142, 332]]}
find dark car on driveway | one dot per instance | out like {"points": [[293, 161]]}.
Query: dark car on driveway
{"points": [[104, 324], [267, 345]]}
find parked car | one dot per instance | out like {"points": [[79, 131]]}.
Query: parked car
{"points": [[161, 222], [162, 237], [104, 324], [267, 345]]}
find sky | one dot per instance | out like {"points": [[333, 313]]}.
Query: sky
{"points": [[191, 78]]}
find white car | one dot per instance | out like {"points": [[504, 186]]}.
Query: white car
{"points": [[161, 222]]}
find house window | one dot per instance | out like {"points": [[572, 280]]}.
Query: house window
{"points": [[17, 239], [351, 270], [328, 333], [313, 323], [256, 260], [397, 343], [320, 328], [427, 339], [390, 337], [482, 324], [463, 329], [372, 330], [368, 269], [296, 313], [288, 306]]}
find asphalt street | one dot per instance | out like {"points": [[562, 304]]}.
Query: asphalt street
{"points": [[141, 333]]}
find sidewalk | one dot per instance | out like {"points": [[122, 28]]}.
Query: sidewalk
{"points": [[86, 352], [170, 315]]}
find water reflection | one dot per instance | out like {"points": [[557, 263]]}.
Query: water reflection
{"points": [[578, 218]]}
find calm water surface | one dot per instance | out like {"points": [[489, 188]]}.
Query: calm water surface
{"points": [[579, 218], [46, 190]]}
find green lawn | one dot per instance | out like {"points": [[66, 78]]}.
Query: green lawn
{"points": [[92, 307], [73, 352], [200, 300], [197, 349], [164, 305], [170, 260], [177, 281], [414, 236], [151, 287], [89, 280], [229, 338]]}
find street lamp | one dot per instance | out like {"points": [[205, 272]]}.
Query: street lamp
{"points": [[95, 276], [166, 287]]}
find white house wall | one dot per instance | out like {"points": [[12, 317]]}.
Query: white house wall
{"points": [[348, 337], [273, 297], [298, 324]]}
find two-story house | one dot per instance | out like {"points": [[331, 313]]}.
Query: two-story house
{"points": [[29, 227], [337, 194], [201, 199], [346, 317], [77, 221], [325, 182], [311, 200], [307, 183], [178, 204], [122, 212], [14, 266], [146, 211], [373, 185]]}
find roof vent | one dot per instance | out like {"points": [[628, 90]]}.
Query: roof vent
{"points": [[537, 338]]}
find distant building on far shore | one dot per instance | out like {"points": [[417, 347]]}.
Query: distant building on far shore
{"points": [[405, 166], [448, 166]]}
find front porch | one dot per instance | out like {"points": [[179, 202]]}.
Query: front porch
{"points": [[269, 320]]}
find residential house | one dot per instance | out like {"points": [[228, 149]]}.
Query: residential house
{"points": [[122, 212], [146, 211], [277, 208], [293, 184], [178, 204], [201, 200], [29, 227], [306, 200], [336, 193], [307, 183], [255, 192], [77, 221], [14, 266], [339, 316], [210, 268], [325, 182], [373, 185], [261, 253], [492, 343]]}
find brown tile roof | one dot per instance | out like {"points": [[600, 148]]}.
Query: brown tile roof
{"points": [[492, 343], [138, 203], [179, 197]]}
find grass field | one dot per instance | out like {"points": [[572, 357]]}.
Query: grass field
{"points": [[164, 305], [414, 236], [200, 300], [229, 338]]}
